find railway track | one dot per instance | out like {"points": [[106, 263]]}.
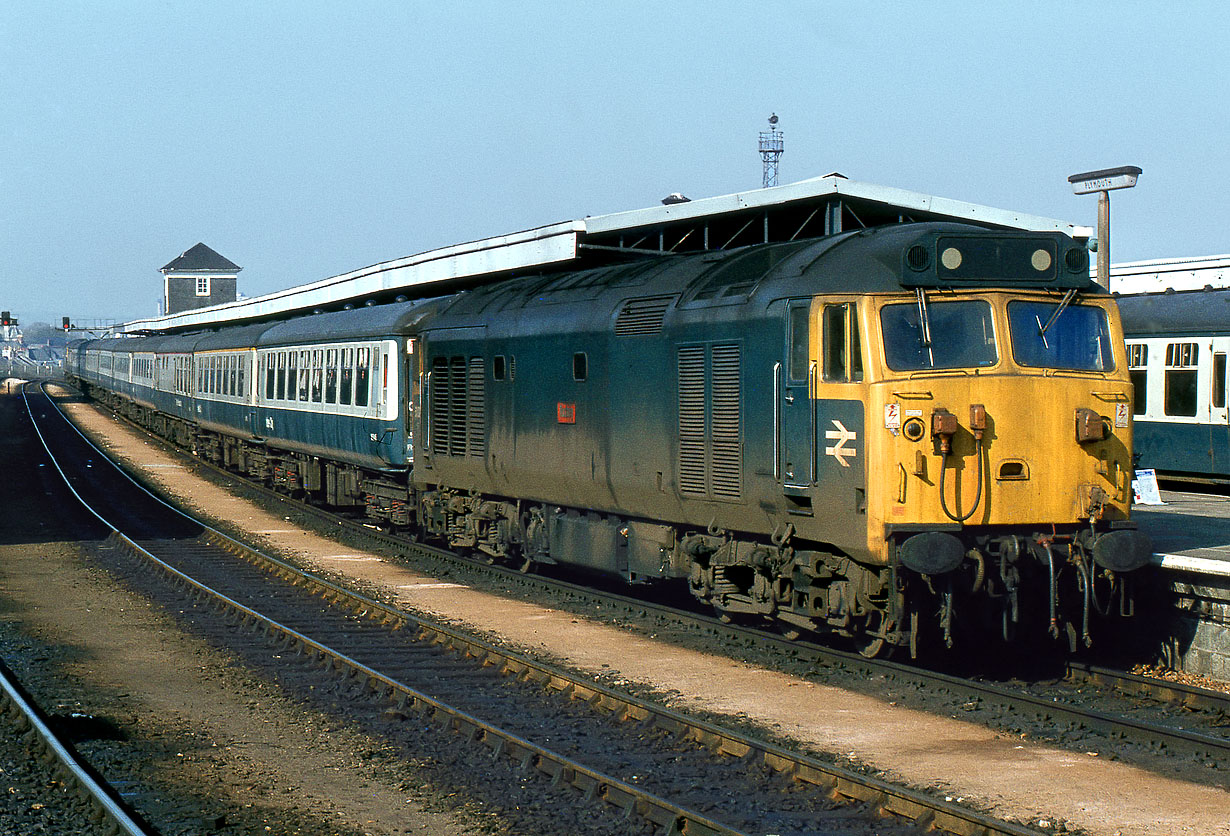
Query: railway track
{"points": [[850, 666], [91, 801], [1179, 721], [661, 767]]}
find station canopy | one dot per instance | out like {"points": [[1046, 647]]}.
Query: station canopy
{"points": [[810, 208]]}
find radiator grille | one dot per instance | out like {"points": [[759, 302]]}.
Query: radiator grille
{"points": [[476, 408], [710, 421], [692, 476], [642, 316], [458, 406]]}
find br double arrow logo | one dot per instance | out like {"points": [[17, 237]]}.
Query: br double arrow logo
{"points": [[843, 437]]}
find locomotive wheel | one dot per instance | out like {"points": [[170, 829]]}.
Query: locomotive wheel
{"points": [[869, 641]]}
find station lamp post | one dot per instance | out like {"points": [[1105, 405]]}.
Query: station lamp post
{"points": [[1103, 182]]}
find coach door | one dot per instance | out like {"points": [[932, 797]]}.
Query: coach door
{"points": [[1219, 413], [794, 382]]}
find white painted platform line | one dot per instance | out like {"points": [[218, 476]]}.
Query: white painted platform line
{"points": [[430, 585], [355, 558], [1186, 563]]}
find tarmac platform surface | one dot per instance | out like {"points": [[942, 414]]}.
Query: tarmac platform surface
{"points": [[1190, 532]]}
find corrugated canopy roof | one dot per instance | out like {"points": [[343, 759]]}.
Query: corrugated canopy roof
{"points": [[808, 209]]}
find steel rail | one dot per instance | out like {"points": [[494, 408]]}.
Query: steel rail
{"points": [[102, 796], [1178, 693], [838, 782], [31, 723]]}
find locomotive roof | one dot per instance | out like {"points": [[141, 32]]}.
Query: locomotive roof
{"points": [[1180, 313]]}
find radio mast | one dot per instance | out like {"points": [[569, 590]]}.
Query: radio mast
{"points": [[771, 147]]}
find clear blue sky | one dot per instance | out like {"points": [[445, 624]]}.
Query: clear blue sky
{"points": [[305, 139]]}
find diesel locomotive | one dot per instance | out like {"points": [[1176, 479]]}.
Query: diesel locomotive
{"points": [[898, 435]]}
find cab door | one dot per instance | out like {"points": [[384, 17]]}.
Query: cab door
{"points": [[794, 381]]}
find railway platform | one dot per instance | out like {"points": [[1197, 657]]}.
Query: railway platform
{"points": [[1191, 543]]}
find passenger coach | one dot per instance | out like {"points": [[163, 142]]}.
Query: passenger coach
{"points": [[1177, 346]]}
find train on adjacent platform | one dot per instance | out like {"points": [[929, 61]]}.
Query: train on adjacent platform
{"points": [[899, 435], [1177, 345]]}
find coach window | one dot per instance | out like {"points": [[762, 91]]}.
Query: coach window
{"points": [[242, 363], [347, 376], [331, 375], [290, 374], [363, 379], [1138, 359], [281, 391], [1219, 379], [305, 374], [1181, 362], [232, 376], [580, 366], [318, 360]]}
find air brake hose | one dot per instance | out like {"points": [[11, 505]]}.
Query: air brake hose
{"points": [[977, 496]]}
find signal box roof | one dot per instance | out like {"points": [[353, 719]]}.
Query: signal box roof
{"points": [[200, 259], [808, 209]]}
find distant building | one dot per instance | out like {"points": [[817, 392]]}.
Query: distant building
{"points": [[1160, 275], [198, 278]]}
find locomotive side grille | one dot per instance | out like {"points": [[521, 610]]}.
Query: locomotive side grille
{"points": [[457, 406], [476, 429], [727, 449], [642, 316], [692, 469], [710, 421], [439, 405]]}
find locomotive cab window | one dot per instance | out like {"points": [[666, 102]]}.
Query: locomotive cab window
{"points": [[843, 352], [1051, 336], [497, 367], [798, 344], [580, 366], [953, 335]]}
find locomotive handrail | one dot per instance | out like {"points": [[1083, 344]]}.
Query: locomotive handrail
{"points": [[777, 421]]}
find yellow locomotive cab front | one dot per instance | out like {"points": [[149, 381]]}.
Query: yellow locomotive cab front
{"points": [[1013, 438]]}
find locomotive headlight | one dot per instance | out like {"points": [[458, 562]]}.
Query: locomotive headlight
{"points": [[1041, 260], [951, 258]]}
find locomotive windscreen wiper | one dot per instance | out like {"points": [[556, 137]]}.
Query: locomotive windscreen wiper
{"points": [[1042, 329], [924, 325]]}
